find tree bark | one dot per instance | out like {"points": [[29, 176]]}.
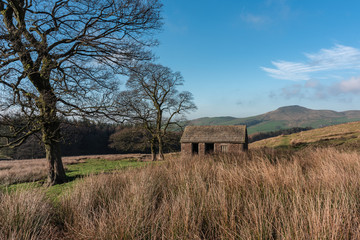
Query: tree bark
{"points": [[159, 132], [56, 171], [153, 152], [160, 142], [51, 137]]}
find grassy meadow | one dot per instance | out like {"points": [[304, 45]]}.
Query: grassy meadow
{"points": [[35, 170], [313, 193], [343, 136]]}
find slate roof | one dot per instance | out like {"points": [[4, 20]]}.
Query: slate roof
{"points": [[215, 134]]}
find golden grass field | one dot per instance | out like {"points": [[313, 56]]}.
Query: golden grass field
{"points": [[262, 194], [346, 135], [267, 193]]}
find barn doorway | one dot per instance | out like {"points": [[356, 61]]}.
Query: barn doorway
{"points": [[194, 148], [209, 148]]}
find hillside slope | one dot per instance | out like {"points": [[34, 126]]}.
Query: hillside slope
{"points": [[343, 135], [283, 118]]}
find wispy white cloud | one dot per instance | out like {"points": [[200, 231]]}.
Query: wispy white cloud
{"points": [[315, 90], [268, 13], [312, 84], [339, 57], [254, 19], [294, 90], [282, 7], [351, 85], [289, 71]]}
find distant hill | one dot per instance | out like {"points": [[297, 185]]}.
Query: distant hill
{"points": [[284, 118], [346, 136]]}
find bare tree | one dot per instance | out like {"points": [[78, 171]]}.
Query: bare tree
{"points": [[61, 57], [153, 99], [130, 139], [138, 111]]}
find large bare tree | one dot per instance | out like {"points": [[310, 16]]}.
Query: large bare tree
{"points": [[61, 57], [153, 99]]}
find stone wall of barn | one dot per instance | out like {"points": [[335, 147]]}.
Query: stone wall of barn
{"points": [[229, 147], [201, 149], [186, 148]]}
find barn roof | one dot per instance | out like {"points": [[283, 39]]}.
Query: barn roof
{"points": [[215, 134]]}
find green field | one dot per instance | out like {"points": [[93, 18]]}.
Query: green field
{"points": [[267, 127], [96, 166], [76, 172]]}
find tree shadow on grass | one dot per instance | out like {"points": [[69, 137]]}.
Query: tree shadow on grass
{"points": [[69, 179], [73, 178]]}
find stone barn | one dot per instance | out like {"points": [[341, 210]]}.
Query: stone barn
{"points": [[214, 139]]}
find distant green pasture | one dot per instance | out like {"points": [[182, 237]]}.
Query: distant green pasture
{"points": [[75, 172], [267, 127]]}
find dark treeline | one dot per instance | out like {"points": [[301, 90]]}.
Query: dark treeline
{"points": [[86, 137], [135, 139], [263, 135], [78, 138]]}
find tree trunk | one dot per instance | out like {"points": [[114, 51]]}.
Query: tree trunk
{"points": [[160, 142], [56, 171], [51, 137], [153, 152], [159, 132]]}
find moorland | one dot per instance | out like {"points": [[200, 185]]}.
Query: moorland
{"points": [[284, 118], [299, 188]]}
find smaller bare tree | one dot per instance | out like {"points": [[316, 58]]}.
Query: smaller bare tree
{"points": [[152, 99]]}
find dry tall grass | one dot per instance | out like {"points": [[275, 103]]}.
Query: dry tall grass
{"points": [[18, 171], [29, 170], [26, 215], [311, 194]]}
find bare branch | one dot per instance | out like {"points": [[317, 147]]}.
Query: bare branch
{"points": [[64, 57], [153, 99]]}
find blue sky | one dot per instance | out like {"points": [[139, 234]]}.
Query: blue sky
{"points": [[242, 58]]}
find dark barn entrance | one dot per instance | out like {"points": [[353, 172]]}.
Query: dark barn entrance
{"points": [[209, 148], [195, 148]]}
